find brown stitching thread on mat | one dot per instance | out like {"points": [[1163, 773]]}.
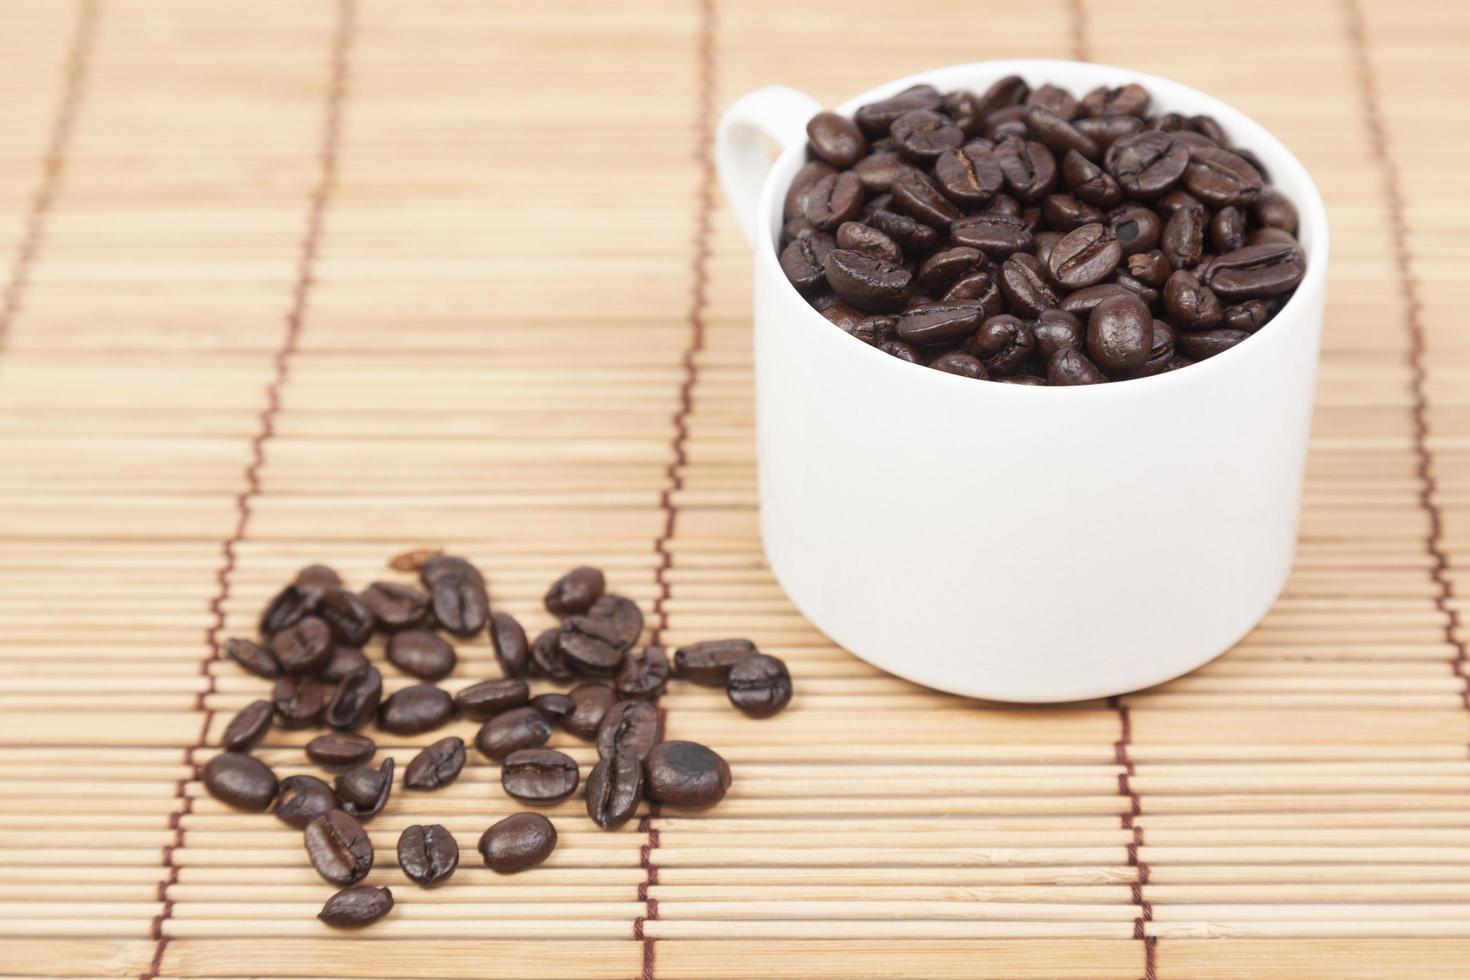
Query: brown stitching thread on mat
{"points": [[1129, 821], [53, 165], [699, 275], [341, 47], [1439, 570]]}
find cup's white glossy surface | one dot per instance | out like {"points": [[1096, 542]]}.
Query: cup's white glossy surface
{"points": [[1017, 543]]}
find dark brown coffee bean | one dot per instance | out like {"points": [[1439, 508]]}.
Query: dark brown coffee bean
{"points": [[364, 791], [629, 728], [348, 615], [1125, 100], [874, 330], [247, 728], [877, 118], [922, 134], [964, 109], [1173, 201], [302, 799], [414, 710], [1136, 229], [255, 658], [576, 591], [436, 766], [1055, 98], [1042, 242], [512, 651], [1190, 305], [423, 654], [964, 365], [937, 323], [1090, 183], [1161, 352], [339, 848], [356, 700], [979, 288], [547, 659], [590, 703], [1065, 213], [342, 664], [947, 265], [489, 698], [877, 169], [1249, 316], [867, 283], [915, 195], [1057, 330], [1084, 257], [240, 781], [686, 775], [520, 841], [1227, 230], [589, 645], [1024, 285], [1209, 126], [846, 318], [1030, 169], [1207, 343], [457, 591], [1004, 123], [1141, 290], [836, 139], [1220, 178], [1081, 303], [1005, 343], [907, 232], [643, 676], [340, 751], [1255, 271], [614, 788], [427, 854], [1107, 130], [1168, 122], [396, 606], [1147, 164], [298, 700], [540, 777], [1008, 91], [805, 178], [708, 663], [554, 706], [1150, 268], [832, 200], [1058, 134], [304, 646], [1069, 366], [865, 240], [1119, 334], [759, 686], [297, 600], [1271, 236], [356, 907], [969, 175], [1272, 209], [1183, 241], [516, 729]]}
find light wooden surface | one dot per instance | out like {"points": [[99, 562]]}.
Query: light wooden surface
{"points": [[314, 281]]}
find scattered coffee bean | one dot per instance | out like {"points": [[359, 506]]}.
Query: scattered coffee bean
{"points": [[575, 592], [460, 601], [343, 663], [519, 728], [339, 848], [708, 663], [364, 791], [685, 775], [643, 676], [240, 781], [520, 841], [348, 615], [355, 700], [425, 655], [554, 706], [304, 646], [589, 707], [355, 907], [416, 709], [759, 686], [255, 658], [396, 606], [299, 701], [247, 728], [302, 799], [542, 777], [487, 699], [614, 788], [427, 854], [630, 728], [436, 766], [340, 751], [297, 600], [509, 640], [547, 659]]}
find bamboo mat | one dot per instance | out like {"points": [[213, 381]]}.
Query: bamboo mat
{"points": [[310, 281]]}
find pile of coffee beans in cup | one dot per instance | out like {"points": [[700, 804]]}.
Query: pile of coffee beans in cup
{"points": [[1030, 237], [312, 645]]}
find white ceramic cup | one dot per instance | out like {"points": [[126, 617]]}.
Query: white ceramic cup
{"points": [[1011, 542]]}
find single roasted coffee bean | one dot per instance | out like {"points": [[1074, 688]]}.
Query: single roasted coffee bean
{"points": [[457, 592], [1005, 343], [427, 854], [1207, 343], [614, 788], [969, 175], [339, 848], [759, 686], [542, 777], [340, 751], [1249, 316], [247, 728], [416, 709], [1090, 183], [356, 907], [808, 175], [348, 615], [436, 766], [1227, 230], [876, 170], [255, 658], [590, 703], [1150, 268], [1125, 100], [554, 706], [923, 134], [520, 841], [364, 791], [396, 606], [867, 283], [297, 600], [643, 676], [907, 232], [516, 729], [629, 728], [299, 701], [1058, 134], [937, 323], [686, 775], [915, 194], [591, 645], [708, 663], [1085, 257], [1069, 366], [1161, 353], [512, 651], [1084, 301], [304, 646], [1221, 178], [1119, 334], [577, 590], [1136, 229], [547, 659], [1023, 283], [1057, 330], [805, 261], [1183, 240], [1190, 305], [832, 200], [302, 799], [866, 240], [995, 233], [1065, 213], [240, 781], [487, 699], [965, 365], [356, 700], [1256, 271], [421, 653], [342, 664], [876, 118], [413, 559], [1272, 209], [1030, 169], [623, 619], [1147, 164]]}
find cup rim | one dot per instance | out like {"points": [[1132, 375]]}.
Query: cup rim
{"points": [[1311, 212]]}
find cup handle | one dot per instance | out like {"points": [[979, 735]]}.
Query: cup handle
{"points": [[775, 112]]}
